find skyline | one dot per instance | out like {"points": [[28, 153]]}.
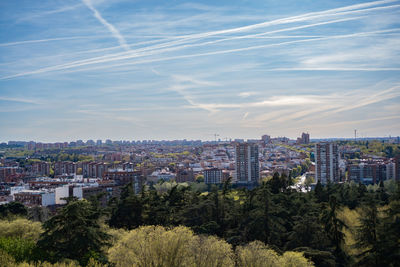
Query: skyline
{"points": [[142, 70], [219, 139]]}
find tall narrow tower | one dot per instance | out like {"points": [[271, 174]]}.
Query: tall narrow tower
{"points": [[247, 164], [326, 162]]}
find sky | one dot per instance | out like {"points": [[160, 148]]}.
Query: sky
{"points": [[164, 70]]}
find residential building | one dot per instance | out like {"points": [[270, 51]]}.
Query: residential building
{"points": [[305, 138], [41, 168], [123, 177], [326, 162], [247, 164], [35, 198], [185, 175], [390, 170], [213, 176], [65, 167]]}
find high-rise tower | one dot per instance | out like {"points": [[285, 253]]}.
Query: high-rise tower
{"points": [[247, 164], [326, 162]]}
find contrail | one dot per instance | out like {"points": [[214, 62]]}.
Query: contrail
{"points": [[133, 53], [44, 40], [63, 67], [109, 26], [157, 49]]}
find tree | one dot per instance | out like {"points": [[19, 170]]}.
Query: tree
{"points": [[128, 213], [307, 230], [367, 236], [277, 183], [200, 178], [74, 233], [157, 246], [381, 193], [319, 257], [21, 228], [319, 192], [257, 254], [334, 227], [13, 209], [390, 234], [6, 259]]}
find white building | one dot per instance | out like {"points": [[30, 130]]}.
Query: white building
{"points": [[60, 193]]}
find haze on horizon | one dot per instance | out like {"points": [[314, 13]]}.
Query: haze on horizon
{"points": [[135, 70]]}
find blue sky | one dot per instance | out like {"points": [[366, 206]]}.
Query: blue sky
{"points": [[133, 70]]}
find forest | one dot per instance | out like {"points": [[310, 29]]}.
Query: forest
{"points": [[271, 225]]}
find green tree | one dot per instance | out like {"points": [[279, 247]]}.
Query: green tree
{"points": [[175, 247], [307, 230], [389, 244], [319, 192], [20, 228], [367, 236], [257, 254], [334, 227], [6, 259], [128, 213], [74, 233], [13, 209], [20, 249]]}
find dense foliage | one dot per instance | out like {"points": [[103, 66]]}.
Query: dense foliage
{"points": [[157, 246], [270, 225]]}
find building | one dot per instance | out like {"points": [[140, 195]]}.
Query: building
{"points": [[362, 173], [370, 172], [65, 167], [41, 168], [7, 172], [326, 162], [247, 166], [304, 139], [35, 198], [104, 191], [390, 171], [123, 177], [213, 176], [185, 175], [266, 138]]}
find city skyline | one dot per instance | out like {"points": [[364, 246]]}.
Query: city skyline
{"points": [[159, 70]]}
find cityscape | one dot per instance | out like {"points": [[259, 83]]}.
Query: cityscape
{"points": [[45, 173], [202, 133]]}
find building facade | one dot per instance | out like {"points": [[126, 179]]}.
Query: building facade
{"points": [[124, 177], [213, 176], [326, 162], [247, 163]]}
